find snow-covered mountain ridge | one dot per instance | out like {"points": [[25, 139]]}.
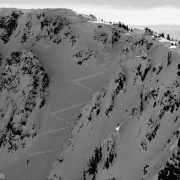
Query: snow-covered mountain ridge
{"points": [[82, 99]]}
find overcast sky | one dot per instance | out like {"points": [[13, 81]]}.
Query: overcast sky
{"points": [[120, 3], [131, 12]]}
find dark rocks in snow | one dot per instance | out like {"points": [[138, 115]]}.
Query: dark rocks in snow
{"points": [[93, 163], [112, 178], [121, 81], [144, 144], [116, 35], [84, 55], [145, 170], [27, 30], [8, 24], [25, 82], [55, 30], [53, 25], [111, 155], [154, 125], [171, 170], [101, 37]]}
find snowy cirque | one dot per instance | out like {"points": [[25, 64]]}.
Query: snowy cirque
{"points": [[82, 99]]}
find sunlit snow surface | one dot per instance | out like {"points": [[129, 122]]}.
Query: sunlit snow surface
{"points": [[86, 100]]}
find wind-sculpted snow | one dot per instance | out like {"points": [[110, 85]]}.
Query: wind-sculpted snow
{"points": [[86, 100]]}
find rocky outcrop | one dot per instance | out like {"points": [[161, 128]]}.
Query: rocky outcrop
{"points": [[23, 87], [8, 25]]}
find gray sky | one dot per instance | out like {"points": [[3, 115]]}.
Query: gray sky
{"points": [[116, 3], [131, 12]]}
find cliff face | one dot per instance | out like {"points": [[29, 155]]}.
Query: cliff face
{"points": [[82, 99]]}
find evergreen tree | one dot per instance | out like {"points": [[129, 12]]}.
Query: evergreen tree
{"points": [[127, 27], [168, 37], [92, 16], [161, 35], [119, 24]]}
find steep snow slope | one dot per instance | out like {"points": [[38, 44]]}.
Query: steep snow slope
{"points": [[68, 81]]}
